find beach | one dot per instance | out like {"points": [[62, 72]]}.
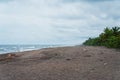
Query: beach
{"points": [[62, 63]]}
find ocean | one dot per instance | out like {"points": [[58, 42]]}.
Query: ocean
{"points": [[20, 48]]}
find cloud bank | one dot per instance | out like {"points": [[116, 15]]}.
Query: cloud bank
{"points": [[55, 21]]}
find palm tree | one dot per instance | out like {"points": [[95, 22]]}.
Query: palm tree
{"points": [[116, 30]]}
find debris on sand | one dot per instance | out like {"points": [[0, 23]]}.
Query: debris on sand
{"points": [[7, 57]]}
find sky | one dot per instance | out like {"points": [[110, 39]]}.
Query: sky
{"points": [[55, 21]]}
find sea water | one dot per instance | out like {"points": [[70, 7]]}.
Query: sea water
{"points": [[19, 48]]}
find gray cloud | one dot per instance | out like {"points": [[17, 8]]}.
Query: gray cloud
{"points": [[56, 21]]}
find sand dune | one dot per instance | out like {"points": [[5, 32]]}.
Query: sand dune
{"points": [[64, 63]]}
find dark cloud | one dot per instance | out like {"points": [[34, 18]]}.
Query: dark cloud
{"points": [[69, 17], [5, 1], [86, 0], [96, 0]]}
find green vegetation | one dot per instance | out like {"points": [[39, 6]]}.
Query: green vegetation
{"points": [[109, 38]]}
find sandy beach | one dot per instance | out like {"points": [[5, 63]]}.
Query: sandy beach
{"points": [[63, 63]]}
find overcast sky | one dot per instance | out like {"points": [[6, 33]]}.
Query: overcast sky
{"points": [[55, 21]]}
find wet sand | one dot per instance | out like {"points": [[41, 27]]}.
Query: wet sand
{"points": [[64, 63]]}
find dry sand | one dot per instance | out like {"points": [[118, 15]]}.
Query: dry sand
{"points": [[65, 63]]}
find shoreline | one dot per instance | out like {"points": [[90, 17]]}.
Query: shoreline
{"points": [[4, 49]]}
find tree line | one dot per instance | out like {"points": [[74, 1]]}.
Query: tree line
{"points": [[109, 38]]}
